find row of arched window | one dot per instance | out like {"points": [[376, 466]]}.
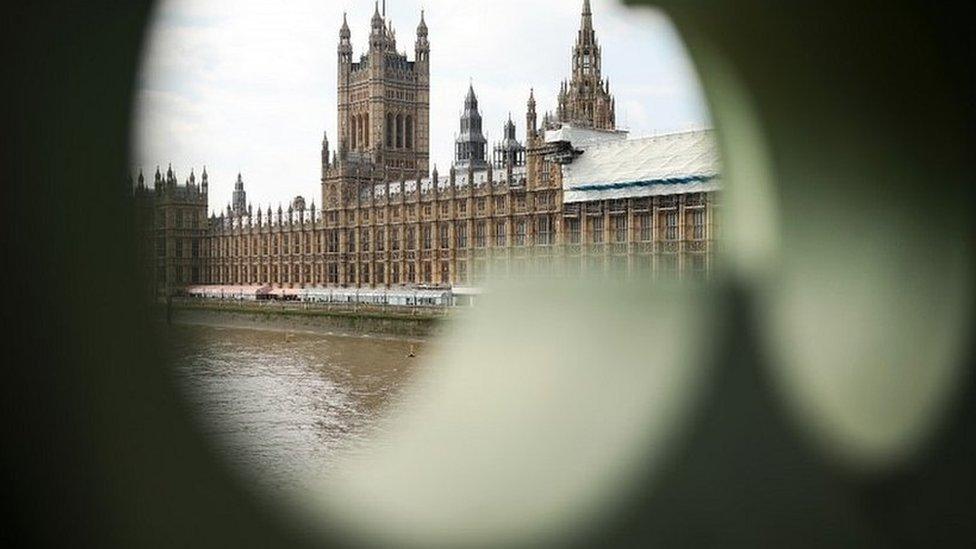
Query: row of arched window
{"points": [[399, 131], [360, 131]]}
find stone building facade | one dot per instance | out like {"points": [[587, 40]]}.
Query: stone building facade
{"points": [[577, 196], [174, 228]]}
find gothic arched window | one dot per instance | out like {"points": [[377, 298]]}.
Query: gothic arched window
{"points": [[366, 130], [409, 132], [399, 131], [353, 133]]}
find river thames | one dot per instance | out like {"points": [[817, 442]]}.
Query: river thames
{"points": [[282, 406]]}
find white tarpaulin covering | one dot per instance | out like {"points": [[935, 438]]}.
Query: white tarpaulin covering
{"points": [[584, 137], [675, 163]]}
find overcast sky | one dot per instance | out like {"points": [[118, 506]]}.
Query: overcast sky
{"points": [[250, 85]]}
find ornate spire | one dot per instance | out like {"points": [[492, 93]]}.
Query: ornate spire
{"points": [[422, 27], [422, 47], [470, 146], [239, 197], [530, 118], [584, 100], [471, 100], [377, 21], [345, 45], [325, 151], [509, 152]]}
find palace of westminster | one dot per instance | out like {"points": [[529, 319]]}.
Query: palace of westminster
{"points": [[577, 196]]}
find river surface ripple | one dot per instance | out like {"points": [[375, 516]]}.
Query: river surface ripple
{"points": [[282, 406]]}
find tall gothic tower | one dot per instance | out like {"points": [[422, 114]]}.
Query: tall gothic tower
{"points": [[585, 100], [239, 197], [509, 152], [383, 112], [470, 146]]}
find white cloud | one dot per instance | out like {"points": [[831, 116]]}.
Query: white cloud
{"points": [[249, 85]]}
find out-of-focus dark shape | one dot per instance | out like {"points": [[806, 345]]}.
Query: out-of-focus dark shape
{"points": [[861, 117]]}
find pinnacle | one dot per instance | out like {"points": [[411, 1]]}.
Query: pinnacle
{"points": [[422, 27]]}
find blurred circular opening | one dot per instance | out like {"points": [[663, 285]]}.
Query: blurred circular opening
{"points": [[494, 350]]}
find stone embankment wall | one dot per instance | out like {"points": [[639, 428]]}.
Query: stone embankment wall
{"points": [[360, 320]]}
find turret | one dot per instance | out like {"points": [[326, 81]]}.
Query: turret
{"points": [[509, 151], [422, 47], [530, 118], [377, 33], [470, 144], [345, 44], [239, 196], [585, 99], [325, 152], [204, 184]]}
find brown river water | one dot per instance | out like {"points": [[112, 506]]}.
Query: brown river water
{"points": [[282, 406]]}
